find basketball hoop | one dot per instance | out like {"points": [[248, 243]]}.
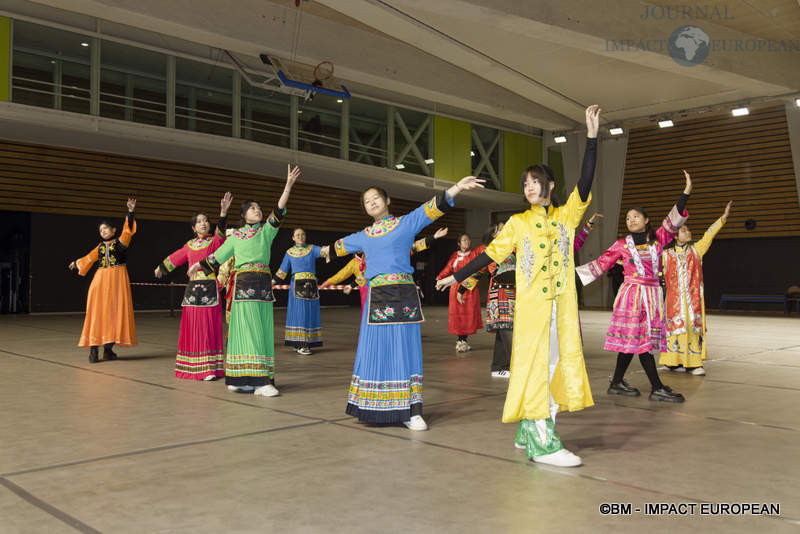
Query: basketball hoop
{"points": [[322, 73]]}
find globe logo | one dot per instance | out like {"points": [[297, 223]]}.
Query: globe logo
{"points": [[688, 46]]}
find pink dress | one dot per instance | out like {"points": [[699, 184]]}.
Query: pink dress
{"points": [[200, 341], [638, 322]]}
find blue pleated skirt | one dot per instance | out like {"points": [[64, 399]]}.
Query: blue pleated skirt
{"points": [[386, 386], [303, 322]]}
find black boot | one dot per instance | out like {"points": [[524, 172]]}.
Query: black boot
{"points": [[93, 353], [109, 354], [665, 394], [623, 388]]}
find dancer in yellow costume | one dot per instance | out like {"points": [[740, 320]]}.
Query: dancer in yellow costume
{"points": [[548, 373]]}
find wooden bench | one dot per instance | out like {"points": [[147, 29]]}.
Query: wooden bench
{"points": [[759, 299]]}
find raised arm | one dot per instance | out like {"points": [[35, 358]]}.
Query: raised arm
{"points": [[704, 244], [292, 174], [590, 154], [677, 215], [129, 226]]}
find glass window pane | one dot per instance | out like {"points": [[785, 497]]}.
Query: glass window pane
{"points": [[133, 84], [265, 115], [404, 154], [320, 123], [368, 132], [203, 97], [50, 68]]}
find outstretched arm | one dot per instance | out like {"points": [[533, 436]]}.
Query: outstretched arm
{"points": [[704, 244]]}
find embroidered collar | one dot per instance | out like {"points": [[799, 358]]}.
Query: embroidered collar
{"points": [[248, 231], [382, 227], [199, 243], [299, 252]]}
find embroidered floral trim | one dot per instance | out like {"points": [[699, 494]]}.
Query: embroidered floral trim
{"points": [[391, 278], [527, 260], [248, 231], [339, 248], [299, 252], [168, 265], [420, 245], [389, 314], [199, 243], [432, 210], [508, 264], [281, 274], [382, 227], [305, 276], [253, 266]]}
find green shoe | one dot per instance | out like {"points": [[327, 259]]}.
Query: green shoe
{"points": [[521, 440], [536, 446]]}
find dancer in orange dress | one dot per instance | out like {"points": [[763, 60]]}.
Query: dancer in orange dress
{"points": [[109, 306]]}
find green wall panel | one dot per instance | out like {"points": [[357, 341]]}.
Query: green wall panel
{"points": [[452, 142], [5, 58], [519, 152]]}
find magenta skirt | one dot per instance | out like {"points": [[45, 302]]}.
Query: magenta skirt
{"points": [[637, 324], [200, 343]]}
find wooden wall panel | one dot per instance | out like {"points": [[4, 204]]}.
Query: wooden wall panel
{"points": [[744, 159], [49, 179]]}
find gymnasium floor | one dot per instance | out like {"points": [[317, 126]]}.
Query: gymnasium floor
{"points": [[125, 447]]}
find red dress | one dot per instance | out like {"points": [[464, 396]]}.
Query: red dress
{"points": [[462, 319]]}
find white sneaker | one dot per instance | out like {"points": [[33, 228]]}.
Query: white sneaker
{"points": [[501, 374], [698, 371], [240, 388], [209, 378], [562, 458], [305, 351], [467, 348], [517, 445], [267, 391], [459, 346], [416, 423]]}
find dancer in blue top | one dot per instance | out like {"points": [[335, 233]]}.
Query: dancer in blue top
{"points": [[303, 323], [386, 386]]}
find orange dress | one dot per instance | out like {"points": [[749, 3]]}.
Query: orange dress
{"points": [[109, 306]]}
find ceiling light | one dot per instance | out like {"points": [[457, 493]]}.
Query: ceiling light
{"points": [[429, 161], [472, 152], [84, 44], [339, 100], [560, 139], [740, 112], [299, 110], [399, 166], [797, 102], [616, 131], [666, 123]]}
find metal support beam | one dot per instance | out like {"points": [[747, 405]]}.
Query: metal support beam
{"points": [[236, 104], [344, 130], [58, 90], [94, 77], [485, 154], [412, 141], [171, 76], [390, 137], [294, 126], [128, 97]]}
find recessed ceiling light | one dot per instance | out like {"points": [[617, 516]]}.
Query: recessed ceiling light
{"points": [[797, 102], [472, 152], [560, 139], [84, 44], [429, 161], [666, 123], [299, 111], [616, 131], [399, 166], [740, 112], [339, 100]]}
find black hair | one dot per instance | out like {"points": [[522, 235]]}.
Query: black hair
{"points": [[544, 175], [674, 242], [246, 206], [196, 215], [107, 223], [381, 191], [651, 236]]}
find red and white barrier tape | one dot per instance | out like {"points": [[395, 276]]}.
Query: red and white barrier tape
{"points": [[282, 286]]}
